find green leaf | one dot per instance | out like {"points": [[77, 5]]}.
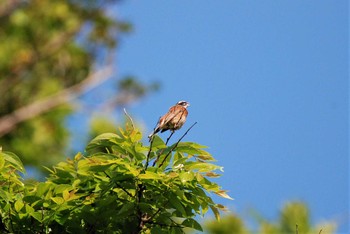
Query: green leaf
{"points": [[158, 143], [62, 187], [150, 175], [216, 212], [65, 194], [103, 140], [176, 202], [192, 145], [37, 215], [157, 230], [102, 137], [201, 166], [207, 157], [191, 149], [221, 207], [29, 209], [2, 160], [180, 161], [13, 160], [42, 188], [191, 223], [127, 209], [186, 176], [135, 135], [19, 205], [58, 200]]}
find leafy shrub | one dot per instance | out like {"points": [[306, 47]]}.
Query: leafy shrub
{"points": [[119, 185]]}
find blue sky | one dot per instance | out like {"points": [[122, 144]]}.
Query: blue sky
{"points": [[268, 86]]}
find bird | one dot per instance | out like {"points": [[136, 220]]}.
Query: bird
{"points": [[173, 120]]}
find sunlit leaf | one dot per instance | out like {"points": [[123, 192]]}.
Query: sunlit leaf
{"points": [[2, 160], [212, 174], [37, 215], [222, 193], [202, 166], [216, 212], [19, 205], [186, 176], [149, 175], [58, 200], [13, 160], [221, 207]]}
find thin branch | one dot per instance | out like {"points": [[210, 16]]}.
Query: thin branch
{"points": [[149, 153], [118, 185], [296, 229], [155, 161], [161, 164], [167, 140], [9, 121], [132, 122], [126, 191], [159, 209]]}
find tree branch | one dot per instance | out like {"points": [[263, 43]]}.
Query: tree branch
{"points": [[9, 121], [161, 164]]}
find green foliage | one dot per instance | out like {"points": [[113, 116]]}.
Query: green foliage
{"points": [[228, 224], [48, 46], [294, 218], [112, 188]]}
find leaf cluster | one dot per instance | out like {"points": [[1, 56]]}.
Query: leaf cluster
{"points": [[110, 188]]}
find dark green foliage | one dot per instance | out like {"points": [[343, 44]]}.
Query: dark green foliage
{"points": [[109, 189]]}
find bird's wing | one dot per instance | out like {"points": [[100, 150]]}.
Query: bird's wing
{"points": [[173, 111]]}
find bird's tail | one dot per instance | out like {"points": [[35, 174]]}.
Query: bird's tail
{"points": [[155, 131]]}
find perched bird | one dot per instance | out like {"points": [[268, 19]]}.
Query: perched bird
{"points": [[173, 120]]}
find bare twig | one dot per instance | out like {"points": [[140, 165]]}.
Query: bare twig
{"points": [[149, 153], [167, 140], [166, 143], [161, 164], [118, 185], [296, 229], [9, 121], [159, 209], [132, 122]]}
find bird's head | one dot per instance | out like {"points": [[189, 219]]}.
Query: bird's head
{"points": [[183, 103]]}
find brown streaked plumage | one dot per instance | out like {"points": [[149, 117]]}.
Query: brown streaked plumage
{"points": [[173, 120]]}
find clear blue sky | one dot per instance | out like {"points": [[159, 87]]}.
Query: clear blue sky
{"points": [[268, 86]]}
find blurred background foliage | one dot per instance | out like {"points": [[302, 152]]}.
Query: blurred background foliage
{"points": [[294, 217], [48, 47]]}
